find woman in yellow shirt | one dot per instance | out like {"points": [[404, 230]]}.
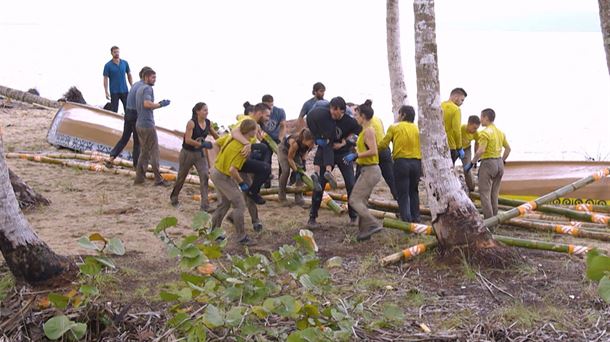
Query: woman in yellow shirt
{"points": [[367, 158], [406, 153], [229, 184]]}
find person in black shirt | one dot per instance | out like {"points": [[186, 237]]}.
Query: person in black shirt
{"points": [[193, 143]]}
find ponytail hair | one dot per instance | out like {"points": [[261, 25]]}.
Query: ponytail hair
{"points": [[197, 108], [304, 134], [248, 108], [366, 109]]}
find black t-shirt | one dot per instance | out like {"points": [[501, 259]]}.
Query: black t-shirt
{"points": [[343, 128], [320, 123], [198, 133]]}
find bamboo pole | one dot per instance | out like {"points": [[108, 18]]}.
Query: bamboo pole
{"points": [[590, 208], [559, 229], [378, 204], [100, 158]]}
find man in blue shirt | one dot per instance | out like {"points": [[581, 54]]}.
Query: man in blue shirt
{"points": [[275, 127], [318, 94], [115, 71]]}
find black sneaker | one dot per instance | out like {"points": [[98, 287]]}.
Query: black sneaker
{"points": [[331, 179], [257, 198], [367, 235], [353, 221], [230, 218], [246, 241], [163, 183], [316, 182], [312, 224], [267, 184], [175, 203], [258, 227]]}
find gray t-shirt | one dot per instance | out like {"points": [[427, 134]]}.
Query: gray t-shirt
{"points": [[131, 97], [145, 116], [272, 127]]}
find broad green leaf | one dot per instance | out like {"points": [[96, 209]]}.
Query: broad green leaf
{"points": [[192, 278], [185, 294], [165, 223], [87, 244], [115, 246], [201, 220], [191, 263], [212, 252], [305, 280], [178, 319], [212, 317], [79, 330], [197, 334], [191, 252], [58, 301], [319, 276], [234, 281], [89, 290], [97, 237], [168, 296], [260, 311], [597, 266], [311, 310], [104, 261], [57, 326], [334, 262], [392, 312], [288, 306], [604, 288], [234, 316], [91, 266], [187, 240]]}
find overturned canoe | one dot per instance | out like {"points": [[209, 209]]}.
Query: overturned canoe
{"points": [[84, 128], [527, 180]]}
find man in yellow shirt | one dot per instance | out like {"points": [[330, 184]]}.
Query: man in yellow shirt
{"points": [[491, 142], [452, 116], [469, 133]]}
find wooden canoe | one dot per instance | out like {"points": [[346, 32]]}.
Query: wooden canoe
{"points": [[527, 180]]}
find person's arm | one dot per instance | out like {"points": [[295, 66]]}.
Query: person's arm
{"points": [[282, 129], [235, 174], [339, 145], [151, 105], [213, 132], [385, 142], [292, 152], [188, 133], [456, 125], [106, 88], [506, 149], [236, 134], [129, 79], [369, 139], [480, 150]]}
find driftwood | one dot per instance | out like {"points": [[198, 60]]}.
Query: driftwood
{"points": [[26, 196], [27, 97]]}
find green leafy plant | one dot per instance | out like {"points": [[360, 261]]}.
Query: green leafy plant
{"points": [[598, 269]]}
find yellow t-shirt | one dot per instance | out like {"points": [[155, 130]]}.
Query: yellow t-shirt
{"points": [[467, 138], [230, 155], [405, 140], [361, 147], [377, 125], [452, 116], [493, 139], [225, 138]]}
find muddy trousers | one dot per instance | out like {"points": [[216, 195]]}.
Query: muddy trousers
{"points": [[250, 205], [490, 175], [187, 160], [408, 172], [149, 153], [347, 172], [387, 170], [468, 175], [358, 200], [282, 158], [129, 129], [230, 197]]}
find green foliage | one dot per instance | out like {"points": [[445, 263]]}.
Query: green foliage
{"points": [[598, 269], [91, 271], [242, 292], [7, 282]]}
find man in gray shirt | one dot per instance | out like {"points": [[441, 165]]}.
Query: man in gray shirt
{"points": [[129, 127], [145, 127]]}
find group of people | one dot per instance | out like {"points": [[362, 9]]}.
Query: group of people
{"points": [[347, 136]]}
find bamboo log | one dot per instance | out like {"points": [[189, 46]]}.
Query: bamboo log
{"points": [[559, 229], [378, 204], [27, 97], [543, 245], [408, 253], [590, 208], [100, 158]]}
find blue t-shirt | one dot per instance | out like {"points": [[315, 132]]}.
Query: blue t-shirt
{"points": [[131, 97], [116, 75], [308, 106], [272, 126], [145, 115]]}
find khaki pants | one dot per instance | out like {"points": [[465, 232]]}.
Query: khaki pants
{"points": [[358, 199], [282, 158], [187, 160], [250, 205], [490, 176], [149, 152], [230, 196], [468, 175]]}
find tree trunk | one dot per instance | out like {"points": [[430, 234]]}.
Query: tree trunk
{"points": [[604, 18], [27, 97], [397, 78], [455, 219], [28, 257], [26, 196]]}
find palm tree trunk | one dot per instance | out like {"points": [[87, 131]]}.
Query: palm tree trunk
{"points": [[27, 97], [604, 18], [26, 196], [397, 78], [27, 256], [455, 219]]}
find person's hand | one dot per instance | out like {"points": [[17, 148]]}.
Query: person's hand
{"points": [[461, 153], [107, 96], [243, 186], [350, 158], [164, 103], [339, 145], [467, 167], [321, 142], [205, 144], [245, 151], [352, 139]]}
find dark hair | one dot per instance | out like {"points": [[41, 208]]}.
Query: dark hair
{"points": [[148, 72], [366, 109], [489, 114], [247, 126], [113, 48], [248, 108], [459, 91], [318, 86], [338, 102], [141, 74], [406, 113], [197, 108], [304, 134], [473, 119], [267, 98], [261, 107]]}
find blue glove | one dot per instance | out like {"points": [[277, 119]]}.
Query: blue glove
{"points": [[461, 153], [467, 167], [350, 158], [164, 103], [321, 142], [244, 186], [206, 145]]}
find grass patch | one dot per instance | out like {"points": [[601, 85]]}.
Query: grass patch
{"points": [[7, 282], [525, 316], [462, 318]]}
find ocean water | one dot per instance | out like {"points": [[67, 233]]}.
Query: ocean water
{"points": [[550, 90]]}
